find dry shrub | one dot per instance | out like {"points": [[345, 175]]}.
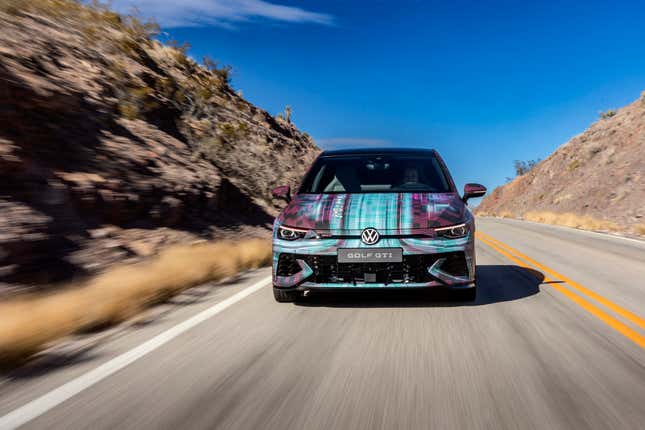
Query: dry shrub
{"points": [[51, 7], [93, 19], [568, 219], [29, 324], [505, 214], [639, 229]]}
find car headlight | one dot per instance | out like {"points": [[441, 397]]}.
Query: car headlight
{"points": [[453, 231], [288, 233]]}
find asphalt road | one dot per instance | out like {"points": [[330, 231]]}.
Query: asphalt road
{"points": [[558, 345]]}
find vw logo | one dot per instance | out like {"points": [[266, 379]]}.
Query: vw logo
{"points": [[370, 236]]}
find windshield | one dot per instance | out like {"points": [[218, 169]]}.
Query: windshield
{"points": [[376, 174]]}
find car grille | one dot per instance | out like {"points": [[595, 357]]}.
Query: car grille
{"points": [[413, 269]]}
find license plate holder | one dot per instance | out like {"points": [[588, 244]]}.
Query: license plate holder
{"points": [[370, 255]]}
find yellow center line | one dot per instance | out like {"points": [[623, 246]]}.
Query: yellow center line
{"points": [[612, 322], [640, 322]]}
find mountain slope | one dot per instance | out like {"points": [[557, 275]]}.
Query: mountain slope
{"points": [[594, 181], [113, 144]]}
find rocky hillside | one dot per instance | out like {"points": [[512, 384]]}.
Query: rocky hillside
{"points": [[594, 181], [113, 145]]}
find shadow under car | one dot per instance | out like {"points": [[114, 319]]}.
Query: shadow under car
{"points": [[495, 283]]}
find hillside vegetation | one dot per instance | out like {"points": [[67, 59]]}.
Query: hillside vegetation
{"points": [[595, 181], [113, 145]]}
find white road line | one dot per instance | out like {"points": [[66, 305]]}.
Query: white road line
{"points": [[597, 234], [41, 405]]}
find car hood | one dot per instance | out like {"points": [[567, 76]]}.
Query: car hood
{"points": [[383, 211]]}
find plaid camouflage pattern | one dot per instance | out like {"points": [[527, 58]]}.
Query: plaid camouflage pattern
{"points": [[339, 219]]}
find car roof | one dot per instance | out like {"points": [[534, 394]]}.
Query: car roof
{"points": [[379, 151]]}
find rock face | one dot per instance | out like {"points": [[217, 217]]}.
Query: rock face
{"points": [[599, 174], [112, 145]]}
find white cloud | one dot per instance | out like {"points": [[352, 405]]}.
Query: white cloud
{"points": [[191, 13], [352, 142]]}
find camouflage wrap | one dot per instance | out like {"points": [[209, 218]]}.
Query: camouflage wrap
{"points": [[349, 213], [337, 220]]}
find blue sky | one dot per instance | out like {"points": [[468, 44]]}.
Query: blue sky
{"points": [[485, 83]]}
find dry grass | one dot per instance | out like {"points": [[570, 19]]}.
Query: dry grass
{"points": [[571, 220], [502, 214], [639, 229], [29, 324]]}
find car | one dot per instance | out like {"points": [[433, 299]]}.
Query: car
{"points": [[375, 219]]}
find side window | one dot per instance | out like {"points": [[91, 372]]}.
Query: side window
{"points": [[435, 177], [316, 185]]}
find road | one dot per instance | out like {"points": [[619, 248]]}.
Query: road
{"points": [[560, 344]]}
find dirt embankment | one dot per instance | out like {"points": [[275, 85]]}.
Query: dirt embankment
{"points": [[595, 181], [113, 145]]}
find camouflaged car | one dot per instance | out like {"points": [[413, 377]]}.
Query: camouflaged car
{"points": [[368, 219]]}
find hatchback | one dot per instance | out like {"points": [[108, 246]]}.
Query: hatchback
{"points": [[375, 219]]}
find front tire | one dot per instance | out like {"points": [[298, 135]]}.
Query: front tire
{"points": [[284, 296]]}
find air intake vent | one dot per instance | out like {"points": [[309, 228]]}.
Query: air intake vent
{"points": [[455, 264], [287, 265]]}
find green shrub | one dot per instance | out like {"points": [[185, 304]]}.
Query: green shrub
{"points": [[136, 101], [233, 133], [128, 110], [523, 167], [222, 72]]}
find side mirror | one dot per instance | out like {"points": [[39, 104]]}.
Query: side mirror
{"points": [[283, 192], [473, 191]]}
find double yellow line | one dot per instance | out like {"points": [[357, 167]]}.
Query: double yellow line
{"points": [[582, 296]]}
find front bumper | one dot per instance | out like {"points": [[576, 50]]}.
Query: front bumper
{"points": [[311, 264]]}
